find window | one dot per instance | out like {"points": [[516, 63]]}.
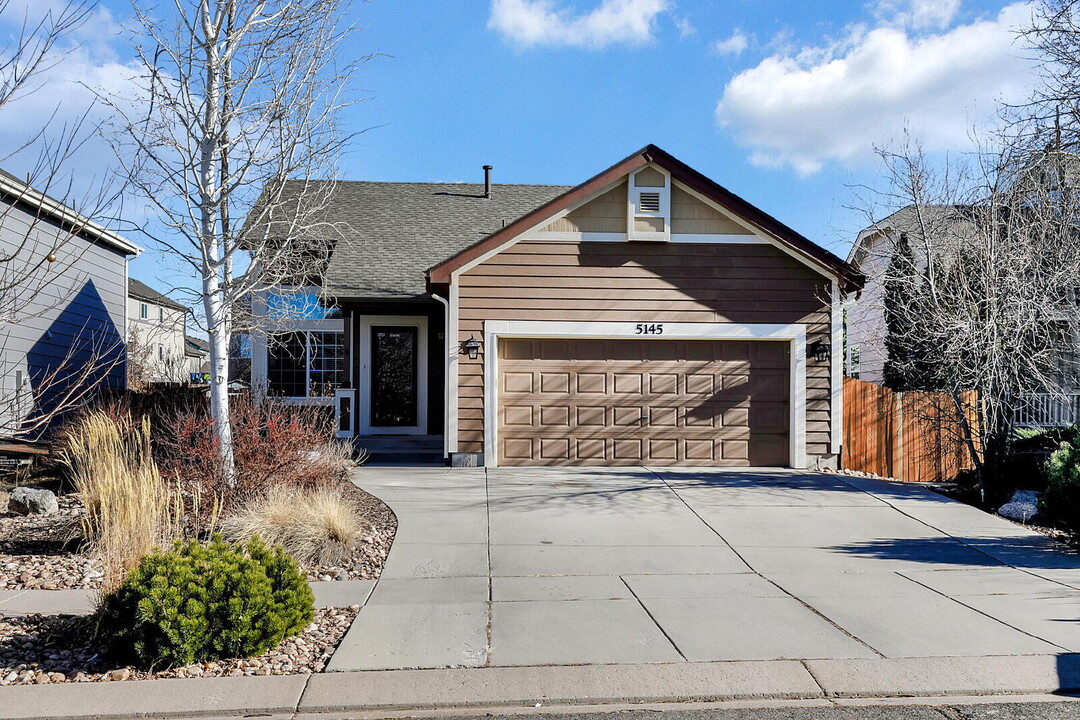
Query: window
{"points": [[299, 306], [161, 352], [161, 315], [144, 311], [305, 364]]}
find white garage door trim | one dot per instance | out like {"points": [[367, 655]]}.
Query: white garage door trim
{"points": [[795, 334]]}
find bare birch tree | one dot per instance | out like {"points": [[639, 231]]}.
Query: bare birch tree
{"points": [[993, 307], [39, 260], [236, 151]]}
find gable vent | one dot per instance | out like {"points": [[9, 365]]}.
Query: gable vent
{"points": [[649, 202]]}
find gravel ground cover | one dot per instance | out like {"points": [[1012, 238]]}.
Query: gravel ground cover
{"points": [[45, 649], [41, 552]]}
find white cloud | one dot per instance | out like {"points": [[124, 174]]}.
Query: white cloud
{"points": [[733, 45], [60, 102], [837, 101], [918, 14], [544, 22], [684, 26]]}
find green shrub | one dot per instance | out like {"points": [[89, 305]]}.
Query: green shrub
{"points": [[205, 602], [1061, 499]]}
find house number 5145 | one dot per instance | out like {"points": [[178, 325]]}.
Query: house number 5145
{"points": [[649, 329]]}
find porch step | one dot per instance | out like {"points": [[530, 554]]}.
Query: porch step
{"points": [[373, 443], [402, 449]]}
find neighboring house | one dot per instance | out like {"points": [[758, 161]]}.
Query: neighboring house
{"points": [[63, 284], [197, 353], [871, 254], [646, 316], [157, 329]]}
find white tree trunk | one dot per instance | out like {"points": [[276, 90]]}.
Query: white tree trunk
{"points": [[219, 377]]}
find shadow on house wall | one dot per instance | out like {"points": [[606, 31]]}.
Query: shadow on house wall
{"points": [[79, 354]]}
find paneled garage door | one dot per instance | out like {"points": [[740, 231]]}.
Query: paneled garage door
{"points": [[643, 402]]}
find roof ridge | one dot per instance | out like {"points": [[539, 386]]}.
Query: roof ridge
{"points": [[435, 182]]}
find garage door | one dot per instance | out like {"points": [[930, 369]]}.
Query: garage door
{"points": [[643, 402]]}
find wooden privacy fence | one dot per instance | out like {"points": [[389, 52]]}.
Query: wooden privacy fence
{"points": [[910, 436]]}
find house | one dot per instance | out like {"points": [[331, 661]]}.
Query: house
{"points": [[197, 354], [160, 345], [865, 327], [63, 315], [645, 316], [157, 331]]}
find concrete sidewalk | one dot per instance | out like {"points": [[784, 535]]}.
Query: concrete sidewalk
{"points": [[341, 694]]}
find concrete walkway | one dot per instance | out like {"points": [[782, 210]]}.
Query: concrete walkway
{"points": [[628, 566]]}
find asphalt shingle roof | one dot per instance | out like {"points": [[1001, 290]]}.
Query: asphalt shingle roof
{"points": [[393, 232], [142, 291]]}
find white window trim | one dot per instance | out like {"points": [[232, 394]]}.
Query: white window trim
{"points": [[294, 399], [420, 322], [795, 334], [259, 345], [633, 196]]}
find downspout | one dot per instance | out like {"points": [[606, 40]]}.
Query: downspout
{"points": [[446, 375]]}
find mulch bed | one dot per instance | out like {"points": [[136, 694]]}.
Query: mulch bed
{"points": [[45, 649], [42, 552]]}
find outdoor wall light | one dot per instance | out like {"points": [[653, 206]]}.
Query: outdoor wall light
{"points": [[471, 347], [821, 351]]}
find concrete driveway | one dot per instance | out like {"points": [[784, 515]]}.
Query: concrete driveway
{"points": [[626, 566]]}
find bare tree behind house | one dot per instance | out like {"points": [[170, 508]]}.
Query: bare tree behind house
{"points": [[992, 305], [42, 215], [236, 151]]}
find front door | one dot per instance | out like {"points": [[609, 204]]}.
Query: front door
{"points": [[394, 375]]}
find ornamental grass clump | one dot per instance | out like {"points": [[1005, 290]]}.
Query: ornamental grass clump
{"points": [[199, 603], [316, 526], [130, 509]]}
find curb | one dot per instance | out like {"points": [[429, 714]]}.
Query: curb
{"points": [[509, 687]]}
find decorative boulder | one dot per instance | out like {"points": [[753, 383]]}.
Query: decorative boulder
{"points": [[32, 501], [1023, 506]]}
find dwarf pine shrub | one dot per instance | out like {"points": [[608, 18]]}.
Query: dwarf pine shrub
{"points": [[198, 602]]}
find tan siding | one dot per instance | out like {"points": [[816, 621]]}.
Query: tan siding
{"points": [[649, 282], [649, 224], [690, 215], [649, 177], [606, 213]]}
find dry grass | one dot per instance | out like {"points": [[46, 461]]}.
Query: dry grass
{"points": [[130, 508], [316, 526]]}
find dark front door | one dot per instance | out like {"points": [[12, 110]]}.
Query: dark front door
{"points": [[394, 355]]}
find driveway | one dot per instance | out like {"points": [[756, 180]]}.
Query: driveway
{"points": [[508, 567]]}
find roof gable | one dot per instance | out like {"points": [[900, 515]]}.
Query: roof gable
{"points": [[605, 183]]}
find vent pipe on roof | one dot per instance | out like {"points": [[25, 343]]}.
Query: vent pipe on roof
{"points": [[487, 181]]}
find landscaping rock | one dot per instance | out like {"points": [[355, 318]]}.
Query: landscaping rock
{"points": [[40, 649], [32, 501], [1023, 506]]}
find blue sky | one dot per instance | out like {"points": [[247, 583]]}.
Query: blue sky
{"points": [[781, 101]]}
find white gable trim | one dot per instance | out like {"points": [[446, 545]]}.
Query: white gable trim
{"points": [[764, 236]]}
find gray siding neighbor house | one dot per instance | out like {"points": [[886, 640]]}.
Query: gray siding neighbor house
{"points": [[63, 308]]}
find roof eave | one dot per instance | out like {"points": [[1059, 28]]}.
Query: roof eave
{"points": [[62, 213]]}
